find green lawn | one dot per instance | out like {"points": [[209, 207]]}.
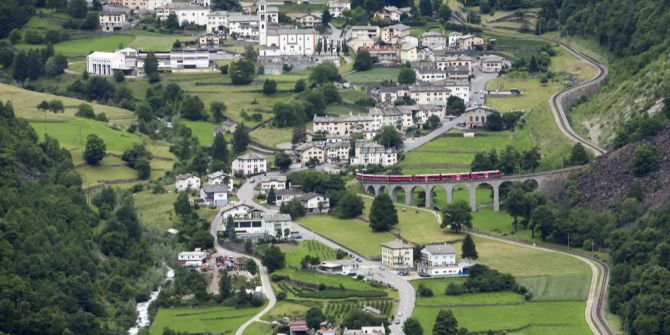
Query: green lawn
{"points": [[156, 210], [373, 76], [283, 309], [258, 328], [272, 136], [220, 319]]}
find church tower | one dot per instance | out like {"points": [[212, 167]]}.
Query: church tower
{"points": [[262, 22]]}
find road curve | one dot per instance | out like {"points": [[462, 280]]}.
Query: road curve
{"points": [[557, 108]]}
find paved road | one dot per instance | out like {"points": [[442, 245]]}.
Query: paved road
{"points": [[478, 87], [413, 143]]}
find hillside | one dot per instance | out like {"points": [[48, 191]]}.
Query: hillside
{"points": [[609, 179]]}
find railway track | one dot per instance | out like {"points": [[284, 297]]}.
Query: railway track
{"points": [[557, 101]]}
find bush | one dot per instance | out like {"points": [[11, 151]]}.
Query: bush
{"points": [[281, 295], [647, 159], [454, 289], [425, 291], [85, 111]]}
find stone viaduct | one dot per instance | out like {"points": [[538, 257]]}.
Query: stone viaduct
{"points": [[375, 188]]}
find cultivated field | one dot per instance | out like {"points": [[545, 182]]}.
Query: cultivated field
{"points": [[372, 76], [220, 319]]}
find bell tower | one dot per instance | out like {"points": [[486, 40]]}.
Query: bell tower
{"points": [[262, 22]]}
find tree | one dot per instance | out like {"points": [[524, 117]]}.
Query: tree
{"points": [[56, 106], [457, 215], [143, 167], [445, 323], [383, 214], [468, 248], [150, 64], [135, 152], [230, 228], [251, 266], [293, 208], [330, 94], [250, 53], [6, 57], [542, 218], [324, 72], [455, 105], [35, 65], [509, 160], [389, 137], [299, 86], [172, 21], [530, 160], [444, 13], [229, 5], [20, 71], [350, 205], [647, 159], [494, 122], [314, 317], [225, 285], [240, 139], [242, 72], [77, 8], [217, 110], [219, 149], [193, 108], [15, 36], [433, 121], [269, 86], [578, 155], [119, 77], [85, 111], [283, 161], [532, 65], [515, 204], [287, 114], [363, 61], [182, 206], [200, 161], [273, 259], [426, 8], [299, 134], [412, 326], [326, 17], [95, 149], [406, 76], [201, 239], [272, 197], [55, 65]]}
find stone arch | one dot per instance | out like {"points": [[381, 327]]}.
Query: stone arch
{"points": [[370, 190], [381, 189], [418, 195], [397, 190], [485, 194], [440, 196], [461, 191], [532, 181]]}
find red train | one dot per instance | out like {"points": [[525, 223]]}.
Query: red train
{"points": [[429, 177]]}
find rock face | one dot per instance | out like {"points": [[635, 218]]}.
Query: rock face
{"points": [[607, 182]]}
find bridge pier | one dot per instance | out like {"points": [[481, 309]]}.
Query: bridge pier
{"points": [[408, 195], [472, 188], [450, 189], [429, 197], [496, 197]]}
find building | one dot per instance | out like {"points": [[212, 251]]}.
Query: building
{"points": [[336, 7], [220, 178], [286, 195], [453, 37], [189, 58], [111, 21], [309, 20], [357, 32], [388, 54], [433, 40], [397, 255], [249, 164], [248, 7], [141, 5], [312, 153], [364, 42], [209, 41], [298, 328], [475, 117], [343, 125], [377, 330], [337, 152], [409, 52], [469, 42], [214, 195], [191, 258], [389, 115], [440, 260], [421, 113], [243, 26], [371, 153], [443, 62], [429, 74], [273, 182], [392, 34], [391, 13], [372, 311], [491, 63], [217, 21], [288, 42], [131, 62], [457, 72], [278, 224], [315, 203], [196, 15], [227, 127], [185, 182]]}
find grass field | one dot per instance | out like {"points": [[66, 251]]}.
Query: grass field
{"points": [[272, 136], [373, 76], [564, 62], [258, 328], [220, 319], [283, 309]]}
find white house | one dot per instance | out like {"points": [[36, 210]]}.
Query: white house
{"points": [[344, 125], [371, 153], [273, 182], [251, 221], [142, 5], [440, 260], [357, 32], [214, 195], [409, 52], [277, 224], [191, 258], [491, 63], [220, 178], [217, 21], [389, 115], [337, 152], [375, 330], [131, 62], [110, 21], [336, 7], [185, 182], [453, 38], [286, 195], [430, 74], [315, 203], [443, 62], [309, 20], [244, 26], [189, 58], [392, 34], [469, 42], [397, 255], [312, 153], [475, 117], [391, 13], [185, 12], [288, 41], [250, 164], [433, 40]]}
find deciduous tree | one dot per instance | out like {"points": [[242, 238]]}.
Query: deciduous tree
{"points": [[457, 215], [383, 214], [95, 149]]}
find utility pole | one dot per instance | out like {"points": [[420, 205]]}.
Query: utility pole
{"points": [[568, 240]]}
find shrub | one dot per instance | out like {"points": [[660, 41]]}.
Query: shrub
{"points": [[425, 291], [275, 277], [454, 289], [281, 295]]}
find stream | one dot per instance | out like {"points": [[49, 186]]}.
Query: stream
{"points": [[143, 307]]}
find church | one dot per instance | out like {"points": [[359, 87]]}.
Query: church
{"points": [[277, 40]]}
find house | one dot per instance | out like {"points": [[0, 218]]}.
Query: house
{"points": [[343, 125], [298, 328], [440, 260], [309, 20], [249, 164], [131, 61], [389, 115], [475, 117], [457, 72], [469, 42], [248, 7], [185, 12], [397, 255], [214, 195], [433, 40], [391, 13], [491, 63], [185, 182], [367, 153], [315, 203], [217, 21], [357, 32], [247, 220], [392, 34], [337, 152], [277, 224], [409, 52], [220, 178], [336, 7], [286, 195], [209, 41], [331, 267], [429, 74], [191, 258], [111, 21], [311, 153], [227, 127], [364, 42], [423, 93], [377, 330], [421, 113], [443, 62], [141, 5], [388, 55], [453, 37], [189, 58], [243, 26], [273, 182]]}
